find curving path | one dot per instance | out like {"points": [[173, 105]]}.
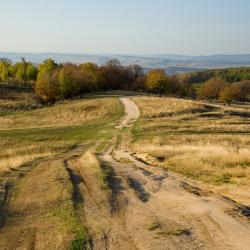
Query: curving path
{"points": [[155, 209], [132, 112]]}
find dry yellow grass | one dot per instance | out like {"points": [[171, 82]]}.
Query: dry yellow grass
{"points": [[177, 115], [165, 106], [91, 160], [14, 155], [67, 113], [35, 158], [210, 163], [206, 142], [19, 148]]}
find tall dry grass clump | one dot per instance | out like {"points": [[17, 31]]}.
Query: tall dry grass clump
{"points": [[203, 141], [210, 163]]}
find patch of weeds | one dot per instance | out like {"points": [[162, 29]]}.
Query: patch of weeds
{"points": [[153, 226], [160, 158], [174, 232], [73, 220], [103, 176], [241, 175], [77, 244], [161, 230], [80, 242], [224, 179]]}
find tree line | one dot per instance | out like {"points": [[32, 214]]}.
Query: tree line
{"points": [[20, 72], [53, 81]]}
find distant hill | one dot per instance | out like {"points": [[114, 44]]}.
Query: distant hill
{"points": [[170, 62]]}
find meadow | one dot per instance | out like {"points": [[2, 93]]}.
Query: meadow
{"points": [[47, 131], [209, 143], [35, 182], [53, 177]]}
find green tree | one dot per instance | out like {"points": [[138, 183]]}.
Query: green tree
{"points": [[31, 72], [5, 66], [21, 70], [69, 80], [48, 65], [89, 77]]}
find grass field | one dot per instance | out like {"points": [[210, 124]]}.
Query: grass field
{"points": [[34, 146], [23, 137], [60, 194], [206, 142]]}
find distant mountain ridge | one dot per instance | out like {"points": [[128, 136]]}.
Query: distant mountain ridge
{"points": [[170, 62]]}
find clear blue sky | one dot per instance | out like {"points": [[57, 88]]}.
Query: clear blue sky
{"points": [[125, 26]]}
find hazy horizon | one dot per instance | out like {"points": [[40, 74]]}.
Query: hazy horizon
{"points": [[122, 54]]}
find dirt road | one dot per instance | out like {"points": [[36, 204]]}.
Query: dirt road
{"points": [[132, 112], [153, 209]]}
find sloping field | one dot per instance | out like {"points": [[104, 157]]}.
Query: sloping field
{"points": [[37, 190], [206, 142]]}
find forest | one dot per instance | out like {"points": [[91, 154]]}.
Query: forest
{"points": [[52, 81]]}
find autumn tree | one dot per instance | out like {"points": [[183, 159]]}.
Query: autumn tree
{"points": [[113, 75], [211, 89], [159, 82], [135, 77], [47, 86], [227, 94], [156, 81], [242, 91]]}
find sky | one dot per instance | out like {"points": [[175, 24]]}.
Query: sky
{"points": [[191, 27]]}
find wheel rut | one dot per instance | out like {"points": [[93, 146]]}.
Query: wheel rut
{"points": [[103, 207]]}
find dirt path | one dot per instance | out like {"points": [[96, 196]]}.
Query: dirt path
{"points": [[157, 210], [132, 112]]}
